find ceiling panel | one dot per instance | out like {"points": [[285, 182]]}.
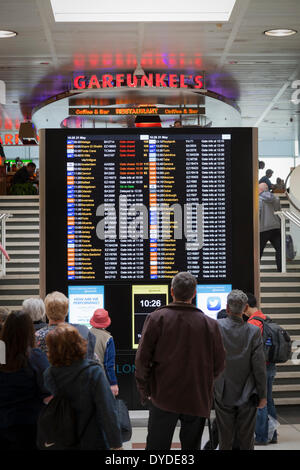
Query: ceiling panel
{"points": [[237, 56]]}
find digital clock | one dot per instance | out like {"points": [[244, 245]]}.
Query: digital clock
{"points": [[145, 299]]}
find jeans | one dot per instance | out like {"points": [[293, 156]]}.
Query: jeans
{"points": [[274, 237], [261, 428]]}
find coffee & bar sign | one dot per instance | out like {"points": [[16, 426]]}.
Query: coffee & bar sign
{"points": [[158, 80]]}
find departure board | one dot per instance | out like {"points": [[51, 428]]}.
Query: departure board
{"points": [[122, 210], [143, 207]]}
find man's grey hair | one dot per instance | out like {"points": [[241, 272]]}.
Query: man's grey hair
{"points": [[35, 308], [184, 285], [237, 301]]}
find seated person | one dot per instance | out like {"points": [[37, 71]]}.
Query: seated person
{"points": [[23, 176], [279, 187]]}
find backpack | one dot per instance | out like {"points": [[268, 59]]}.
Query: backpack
{"points": [[57, 426], [290, 252], [277, 342]]}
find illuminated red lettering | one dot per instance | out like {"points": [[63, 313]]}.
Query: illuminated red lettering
{"points": [[198, 81], [94, 82], [147, 80], [119, 79], [78, 83], [129, 80], [16, 139], [159, 79], [107, 81], [182, 84], [8, 139], [173, 80]]}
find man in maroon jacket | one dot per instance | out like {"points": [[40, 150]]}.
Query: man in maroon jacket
{"points": [[179, 355]]}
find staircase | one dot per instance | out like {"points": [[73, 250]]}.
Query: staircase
{"points": [[22, 244], [280, 299]]}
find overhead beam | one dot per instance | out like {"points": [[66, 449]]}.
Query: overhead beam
{"points": [[237, 17], [280, 92], [47, 31]]}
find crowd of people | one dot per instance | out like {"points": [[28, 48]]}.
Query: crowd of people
{"points": [[186, 365]]}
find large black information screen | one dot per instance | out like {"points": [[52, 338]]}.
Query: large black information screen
{"points": [[123, 210]]}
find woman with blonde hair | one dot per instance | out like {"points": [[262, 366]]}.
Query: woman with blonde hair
{"points": [[83, 383], [57, 305]]}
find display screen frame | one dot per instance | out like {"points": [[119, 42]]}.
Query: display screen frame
{"points": [[53, 229]]}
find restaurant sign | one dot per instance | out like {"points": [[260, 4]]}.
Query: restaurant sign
{"points": [[158, 80]]}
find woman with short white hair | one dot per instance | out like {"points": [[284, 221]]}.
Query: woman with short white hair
{"points": [[36, 310]]}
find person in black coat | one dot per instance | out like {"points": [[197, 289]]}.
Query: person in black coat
{"points": [[84, 384], [22, 390]]}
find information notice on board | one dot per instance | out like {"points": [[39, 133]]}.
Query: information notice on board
{"points": [[145, 299]]}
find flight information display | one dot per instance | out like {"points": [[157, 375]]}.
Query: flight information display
{"points": [[145, 205], [122, 210]]}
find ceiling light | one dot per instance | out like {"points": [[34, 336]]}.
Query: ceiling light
{"points": [[7, 34], [135, 10], [279, 33]]}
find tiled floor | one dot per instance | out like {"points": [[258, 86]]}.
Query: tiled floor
{"points": [[288, 431]]}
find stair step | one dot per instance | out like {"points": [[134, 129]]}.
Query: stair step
{"points": [[23, 252], [24, 260], [21, 276], [20, 287], [283, 275], [7, 205], [18, 297], [22, 227], [279, 305], [288, 375], [17, 211], [279, 284], [16, 270], [288, 316], [287, 401], [17, 243], [18, 197], [280, 294], [286, 364], [286, 388], [22, 235], [13, 220]]}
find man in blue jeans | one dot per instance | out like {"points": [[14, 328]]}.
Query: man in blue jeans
{"points": [[262, 420]]}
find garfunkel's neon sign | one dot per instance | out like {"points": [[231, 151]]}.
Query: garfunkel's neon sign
{"points": [[161, 80]]}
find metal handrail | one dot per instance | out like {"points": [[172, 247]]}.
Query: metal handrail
{"points": [[3, 217], [286, 214]]}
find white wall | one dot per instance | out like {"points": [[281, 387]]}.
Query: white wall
{"points": [[280, 165]]}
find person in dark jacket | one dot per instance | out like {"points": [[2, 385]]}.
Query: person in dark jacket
{"points": [[36, 310], [242, 386], [269, 222], [56, 305], [179, 356], [84, 384], [266, 179], [22, 389], [24, 174]]}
